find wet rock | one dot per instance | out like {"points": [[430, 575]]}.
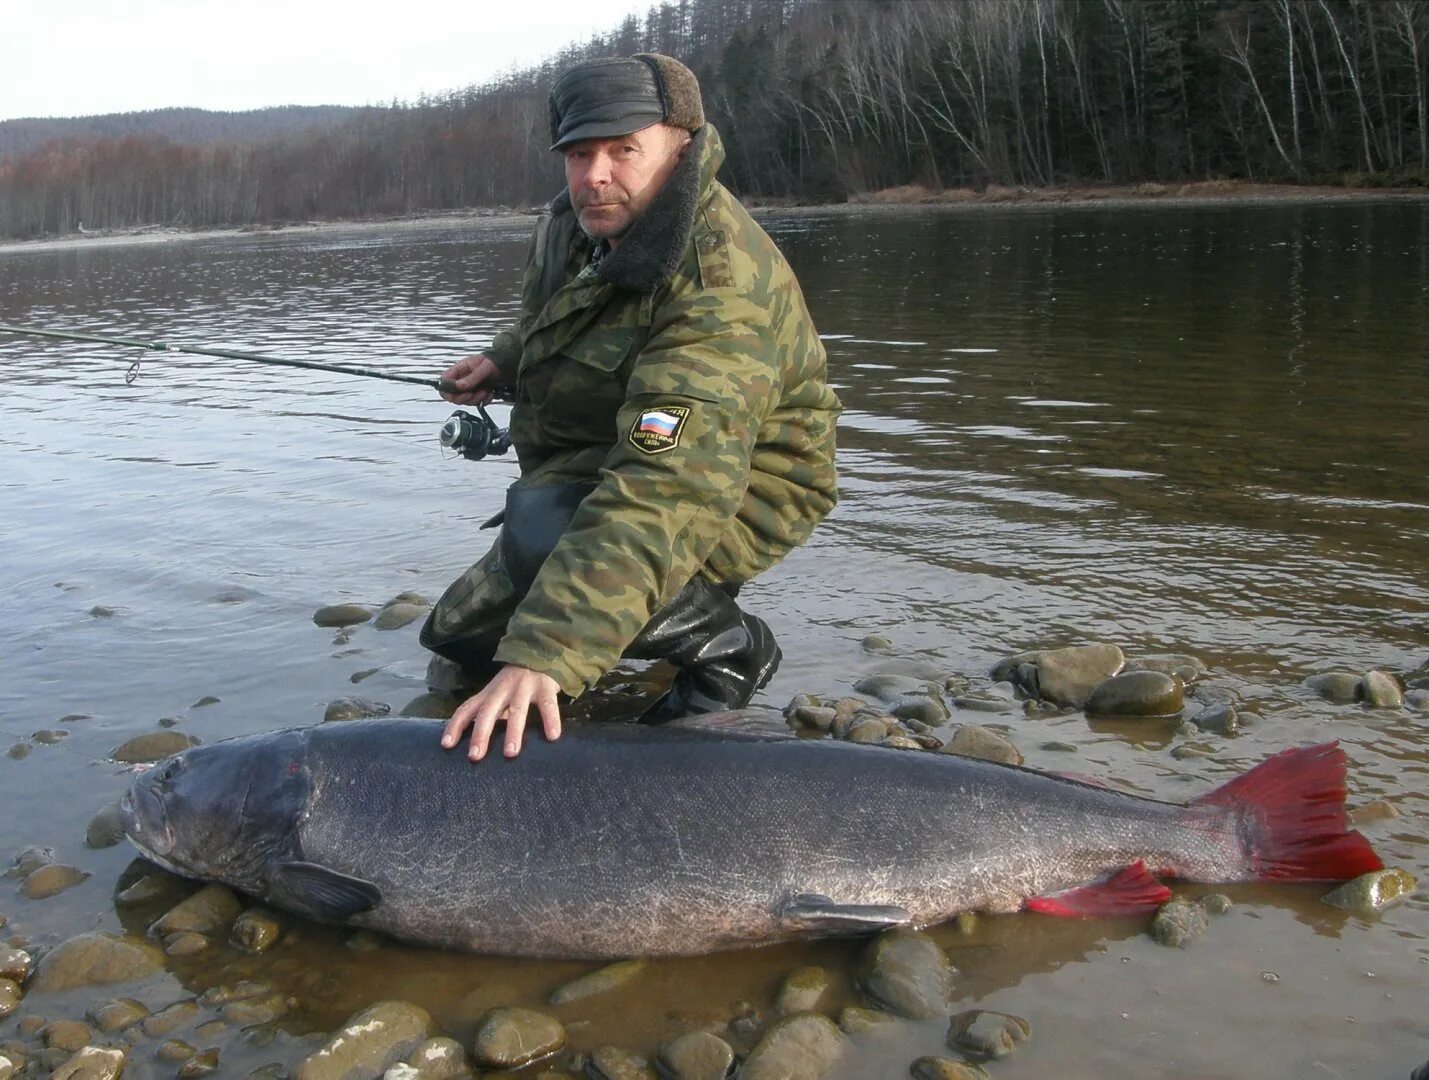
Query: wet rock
{"points": [[211, 910], [747, 1021], [907, 973], [1380, 690], [697, 1055], [1216, 904], [1136, 693], [369, 1042], [10, 997], [241, 991], [1222, 719], [1028, 680], [1006, 669], [1372, 892], [151, 888], [1372, 812], [9, 1066], [992, 1034], [169, 1019], [354, 708], [49, 736], [440, 1059], [867, 729], [258, 1010], [105, 829], [394, 616], [206, 700], [103, 611], [1421, 1073], [1340, 687], [52, 880], [96, 959], [186, 943], [921, 707], [153, 746], [888, 686], [899, 741], [30, 859], [876, 643], [941, 1068], [433, 705], [169, 721], [983, 702], [801, 990], [66, 1034], [15, 964], [602, 981], [507, 1038], [200, 1064], [175, 1050], [1417, 699], [1191, 751], [1068, 676], [1178, 923], [19, 751], [366, 941], [613, 1063], [256, 930], [1167, 663], [805, 1046], [846, 707], [116, 1014], [341, 615], [814, 717], [976, 741], [856, 1020], [91, 1063]]}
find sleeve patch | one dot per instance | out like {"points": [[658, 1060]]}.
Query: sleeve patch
{"points": [[657, 430]]}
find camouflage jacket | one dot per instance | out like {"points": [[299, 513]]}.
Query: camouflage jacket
{"points": [[682, 371]]}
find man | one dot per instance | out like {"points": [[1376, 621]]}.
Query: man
{"points": [[672, 420]]}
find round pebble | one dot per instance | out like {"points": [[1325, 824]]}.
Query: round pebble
{"points": [[341, 615]]}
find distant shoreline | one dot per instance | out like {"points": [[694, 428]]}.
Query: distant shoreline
{"points": [[1211, 192]]}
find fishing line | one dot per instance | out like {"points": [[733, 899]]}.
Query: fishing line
{"points": [[443, 385]]}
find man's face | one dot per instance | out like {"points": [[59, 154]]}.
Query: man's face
{"points": [[612, 181]]}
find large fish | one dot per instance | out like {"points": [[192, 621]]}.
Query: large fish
{"points": [[626, 841]]}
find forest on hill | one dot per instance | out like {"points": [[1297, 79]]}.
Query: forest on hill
{"points": [[22, 136], [821, 100]]}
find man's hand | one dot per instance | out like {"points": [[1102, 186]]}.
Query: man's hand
{"points": [[473, 377], [508, 696]]}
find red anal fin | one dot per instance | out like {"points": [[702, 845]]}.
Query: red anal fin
{"points": [[1297, 800], [1132, 891]]}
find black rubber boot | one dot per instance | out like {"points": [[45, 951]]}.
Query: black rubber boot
{"points": [[723, 654]]}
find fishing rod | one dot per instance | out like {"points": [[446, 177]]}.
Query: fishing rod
{"points": [[472, 437], [443, 385]]}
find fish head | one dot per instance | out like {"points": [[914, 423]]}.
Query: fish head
{"points": [[221, 812]]}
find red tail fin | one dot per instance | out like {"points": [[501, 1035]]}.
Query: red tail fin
{"points": [[1295, 804]]}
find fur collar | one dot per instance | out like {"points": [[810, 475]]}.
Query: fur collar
{"points": [[651, 252]]}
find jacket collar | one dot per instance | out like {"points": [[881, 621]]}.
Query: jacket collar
{"points": [[652, 249]]}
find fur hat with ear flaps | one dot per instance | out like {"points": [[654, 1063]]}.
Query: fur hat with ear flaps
{"points": [[612, 95]]}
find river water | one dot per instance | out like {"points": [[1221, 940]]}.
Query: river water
{"points": [[1198, 429]]}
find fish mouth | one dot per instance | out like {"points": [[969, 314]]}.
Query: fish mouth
{"points": [[141, 812]]}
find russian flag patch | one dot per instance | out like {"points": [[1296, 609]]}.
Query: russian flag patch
{"points": [[658, 430]]}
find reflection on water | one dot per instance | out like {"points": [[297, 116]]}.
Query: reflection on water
{"points": [[1197, 430]]}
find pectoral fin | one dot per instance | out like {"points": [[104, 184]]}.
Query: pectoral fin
{"points": [[814, 911], [326, 893]]}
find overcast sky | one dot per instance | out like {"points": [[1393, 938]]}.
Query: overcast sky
{"points": [[82, 57]]}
